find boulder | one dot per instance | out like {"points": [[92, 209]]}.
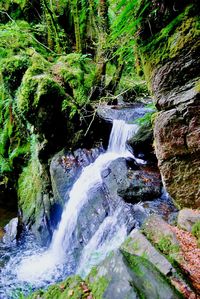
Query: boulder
{"points": [[65, 169], [137, 244], [140, 185], [111, 279], [160, 233], [148, 281], [142, 143], [187, 218], [125, 275], [10, 231], [171, 66]]}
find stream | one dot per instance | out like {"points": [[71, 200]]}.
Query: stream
{"points": [[28, 266]]}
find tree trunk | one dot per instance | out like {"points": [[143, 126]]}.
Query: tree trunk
{"points": [[112, 86], [53, 38], [76, 26], [101, 57]]}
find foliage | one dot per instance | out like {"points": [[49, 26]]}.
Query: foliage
{"points": [[98, 284], [167, 247], [72, 288], [17, 36], [196, 231], [13, 69]]}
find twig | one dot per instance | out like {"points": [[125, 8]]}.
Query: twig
{"points": [[35, 39], [94, 114]]}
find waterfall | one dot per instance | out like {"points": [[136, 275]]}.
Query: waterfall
{"points": [[38, 267], [108, 237]]}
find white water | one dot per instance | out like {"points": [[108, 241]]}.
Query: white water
{"points": [[47, 265], [108, 237]]}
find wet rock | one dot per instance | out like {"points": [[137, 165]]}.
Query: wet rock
{"points": [[10, 231], [115, 277], [129, 113], [157, 230], [102, 202], [125, 275], [140, 185], [137, 244], [142, 143], [187, 218], [65, 168], [148, 281]]}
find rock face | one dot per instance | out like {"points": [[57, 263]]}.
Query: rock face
{"points": [[187, 218], [137, 244], [120, 184], [129, 273], [173, 71]]}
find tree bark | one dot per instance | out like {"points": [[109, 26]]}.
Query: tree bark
{"points": [[76, 26], [101, 56]]}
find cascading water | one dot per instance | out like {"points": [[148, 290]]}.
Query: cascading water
{"points": [[109, 236], [46, 266], [37, 268]]}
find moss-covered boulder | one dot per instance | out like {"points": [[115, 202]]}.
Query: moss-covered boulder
{"points": [[170, 55], [35, 196], [112, 279], [126, 275], [72, 288], [161, 235]]}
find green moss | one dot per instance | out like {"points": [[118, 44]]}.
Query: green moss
{"points": [[35, 89], [148, 281], [68, 289], [71, 70], [12, 69], [197, 86], [166, 246], [98, 284], [181, 33], [99, 287], [196, 231], [30, 186]]}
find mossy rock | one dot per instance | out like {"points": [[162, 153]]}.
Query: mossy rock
{"points": [[71, 70], [38, 98], [68, 289], [174, 40], [147, 280], [29, 190], [13, 69], [111, 279]]}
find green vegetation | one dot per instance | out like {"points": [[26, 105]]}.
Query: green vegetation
{"points": [[98, 284], [166, 246], [30, 186], [196, 231], [148, 281], [68, 289], [58, 59], [73, 288]]}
